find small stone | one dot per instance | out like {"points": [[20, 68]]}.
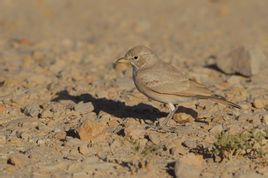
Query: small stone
{"points": [[80, 175], [216, 129], [2, 138], [91, 129], [234, 80], [260, 103], [189, 166], [255, 120], [135, 132], [182, 118], [132, 122], [72, 142], [265, 119], [84, 108], [189, 144], [32, 110], [245, 106], [154, 138], [61, 135], [83, 149], [178, 151], [46, 114], [2, 108], [18, 160], [25, 136], [40, 141]]}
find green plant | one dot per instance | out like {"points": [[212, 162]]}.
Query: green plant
{"points": [[145, 150], [248, 143]]}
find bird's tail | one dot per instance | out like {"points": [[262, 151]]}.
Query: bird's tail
{"points": [[221, 100]]}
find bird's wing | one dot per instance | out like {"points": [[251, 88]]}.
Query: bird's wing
{"points": [[168, 80]]}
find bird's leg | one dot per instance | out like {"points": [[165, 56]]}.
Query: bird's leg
{"points": [[163, 127], [173, 110]]}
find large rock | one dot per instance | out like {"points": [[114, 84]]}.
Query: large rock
{"points": [[245, 60]]}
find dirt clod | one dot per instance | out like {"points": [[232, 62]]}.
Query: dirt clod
{"points": [[91, 129]]}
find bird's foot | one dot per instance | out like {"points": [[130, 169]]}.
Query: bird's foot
{"points": [[164, 128]]}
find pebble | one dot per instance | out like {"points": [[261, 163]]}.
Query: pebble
{"points": [[83, 149], [132, 122], [135, 132], [245, 106], [189, 166], [72, 142], [46, 114], [41, 141], [32, 110], [182, 118], [154, 138], [189, 144], [2, 138], [25, 136], [91, 129], [216, 129], [84, 108], [260, 103], [178, 151], [235, 80], [18, 160], [61, 135], [2, 108], [265, 119]]}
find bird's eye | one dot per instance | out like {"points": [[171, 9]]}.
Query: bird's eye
{"points": [[136, 57]]}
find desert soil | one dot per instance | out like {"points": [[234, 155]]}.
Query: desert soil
{"points": [[67, 111]]}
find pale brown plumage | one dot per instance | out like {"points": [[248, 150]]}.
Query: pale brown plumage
{"points": [[165, 83]]}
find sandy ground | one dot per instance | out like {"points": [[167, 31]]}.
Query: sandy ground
{"points": [[66, 111]]}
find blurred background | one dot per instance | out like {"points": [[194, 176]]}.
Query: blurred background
{"points": [[192, 28]]}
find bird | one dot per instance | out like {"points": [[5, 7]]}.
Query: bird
{"points": [[162, 82]]}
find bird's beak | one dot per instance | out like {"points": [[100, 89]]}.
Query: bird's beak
{"points": [[121, 60]]}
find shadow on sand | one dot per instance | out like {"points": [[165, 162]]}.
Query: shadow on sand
{"points": [[120, 109], [115, 108]]}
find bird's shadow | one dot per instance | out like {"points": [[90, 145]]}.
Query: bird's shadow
{"points": [[189, 111], [116, 108]]}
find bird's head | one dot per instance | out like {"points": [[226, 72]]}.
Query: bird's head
{"points": [[139, 57]]}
